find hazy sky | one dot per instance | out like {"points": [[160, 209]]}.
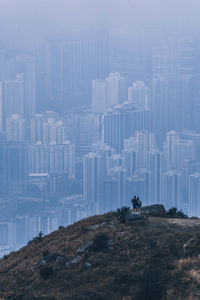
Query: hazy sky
{"points": [[28, 22]]}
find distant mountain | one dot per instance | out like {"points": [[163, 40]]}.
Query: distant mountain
{"points": [[100, 258]]}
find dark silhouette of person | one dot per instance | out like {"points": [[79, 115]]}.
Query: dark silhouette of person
{"points": [[136, 202]]}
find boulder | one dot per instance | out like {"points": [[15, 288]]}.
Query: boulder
{"points": [[76, 259], [93, 227], [156, 210], [50, 257], [84, 248]]}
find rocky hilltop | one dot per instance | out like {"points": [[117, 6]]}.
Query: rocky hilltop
{"points": [[101, 258]]}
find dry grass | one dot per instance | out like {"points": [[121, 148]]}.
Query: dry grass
{"points": [[122, 272]]}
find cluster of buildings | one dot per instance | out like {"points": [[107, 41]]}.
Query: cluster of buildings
{"points": [[85, 126]]}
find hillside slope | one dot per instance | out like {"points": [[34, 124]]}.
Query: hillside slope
{"points": [[152, 259]]}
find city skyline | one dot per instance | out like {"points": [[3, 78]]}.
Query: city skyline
{"points": [[93, 116]]}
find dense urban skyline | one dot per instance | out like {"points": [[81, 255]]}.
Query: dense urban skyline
{"points": [[92, 115]]}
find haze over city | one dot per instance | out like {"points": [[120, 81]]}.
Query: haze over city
{"points": [[99, 101]]}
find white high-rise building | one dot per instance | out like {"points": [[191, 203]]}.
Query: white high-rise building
{"points": [[194, 192], [115, 89], [36, 132], [178, 150], [107, 93], [172, 189], [95, 167], [51, 159], [15, 129], [47, 130], [26, 65], [58, 133], [11, 99], [138, 95], [142, 142], [155, 167]]}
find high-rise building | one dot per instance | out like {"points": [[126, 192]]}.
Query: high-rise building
{"points": [[178, 150], [71, 65], [138, 95], [51, 158], [172, 189], [36, 129], [15, 129], [141, 143], [115, 89], [174, 91], [1, 164], [14, 167], [27, 65], [24, 64], [132, 59], [107, 93], [173, 58], [2, 65], [155, 167], [94, 171], [11, 99], [130, 162], [122, 122], [195, 137], [99, 96], [194, 191], [87, 133]]}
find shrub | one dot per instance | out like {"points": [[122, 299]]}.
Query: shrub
{"points": [[151, 286], [45, 253], [46, 272], [40, 235], [36, 239], [100, 242], [175, 213], [122, 213]]}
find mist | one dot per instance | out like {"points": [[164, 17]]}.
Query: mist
{"points": [[27, 24], [99, 104]]}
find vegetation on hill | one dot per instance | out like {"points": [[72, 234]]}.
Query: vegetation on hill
{"points": [[103, 258]]}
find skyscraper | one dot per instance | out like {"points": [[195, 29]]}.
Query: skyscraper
{"points": [[115, 89], [194, 190], [94, 172], [99, 96], [27, 65], [172, 189], [14, 167], [15, 129], [155, 167], [71, 65], [122, 122], [138, 95], [11, 99], [174, 102], [51, 158]]}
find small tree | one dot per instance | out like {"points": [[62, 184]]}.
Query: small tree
{"points": [[100, 242], [40, 235], [122, 213], [137, 203]]}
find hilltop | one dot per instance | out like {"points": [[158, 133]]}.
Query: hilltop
{"points": [[100, 258]]}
